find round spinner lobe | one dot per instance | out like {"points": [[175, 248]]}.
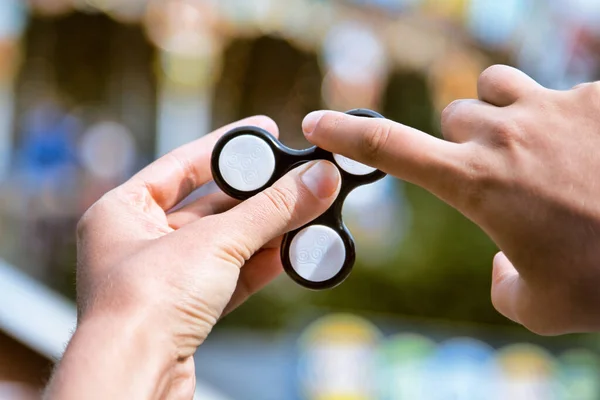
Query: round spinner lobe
{"points": [[353, 167], [247, 163], [317, 253]]}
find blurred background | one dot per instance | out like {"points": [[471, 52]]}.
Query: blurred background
{"points": [[93, 90]]}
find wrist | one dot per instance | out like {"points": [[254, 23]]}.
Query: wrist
{"points": [[115, 356]]}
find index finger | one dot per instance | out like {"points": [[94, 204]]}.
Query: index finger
{"points": [[173, 177], [396, 149]]}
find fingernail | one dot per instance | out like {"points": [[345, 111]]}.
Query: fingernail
{"points": [[322, 178], [311, 120]]}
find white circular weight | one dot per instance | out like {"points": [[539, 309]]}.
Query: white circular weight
{"points": [[317, 253], [353, 167], [247, 163]]}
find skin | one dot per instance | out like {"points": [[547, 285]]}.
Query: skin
{"points": [[152, 283], [522, 162]]}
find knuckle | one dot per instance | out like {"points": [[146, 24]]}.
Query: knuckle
{"points": [[97, 211], [477, 167], [187, 168], [593, 86], [477, 181], [540, 328], [498, 80], [581, 86], [499, 302], [453, 116], [375, 140], [590, 90], [283, 202], [82, 224], [449, 112], [589, 94], [537, 322], [508, 305], [506, 133], [493, 76]]}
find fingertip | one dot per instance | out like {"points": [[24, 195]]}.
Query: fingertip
{"points": [[322, 178], [295, 199], [323, 121], [311, 121]]}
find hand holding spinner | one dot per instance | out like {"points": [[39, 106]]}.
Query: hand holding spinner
{"points": [[321, 254]]}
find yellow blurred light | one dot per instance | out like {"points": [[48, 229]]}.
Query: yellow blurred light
{"points": [[338, 355], [181, 26], [341, 328], [526, 361], [453, 9], [454, 76], [190, 72]]}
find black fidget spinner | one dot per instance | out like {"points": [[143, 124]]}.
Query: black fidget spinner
{"points": [[321, 254]]}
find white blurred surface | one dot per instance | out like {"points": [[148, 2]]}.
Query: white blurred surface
{"points": [[44, 321]]}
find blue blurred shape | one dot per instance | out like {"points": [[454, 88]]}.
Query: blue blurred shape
{"points": [[494, 22], [13, 18], [388, 5], [463, 369]]}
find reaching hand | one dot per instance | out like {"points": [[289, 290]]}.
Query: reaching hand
{"points": [[523, 162]]}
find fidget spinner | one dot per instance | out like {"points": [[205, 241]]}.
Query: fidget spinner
{"points": [[321, 254]]}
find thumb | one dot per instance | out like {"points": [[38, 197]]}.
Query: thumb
{"points": [[296, 199], [507, 288]]}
